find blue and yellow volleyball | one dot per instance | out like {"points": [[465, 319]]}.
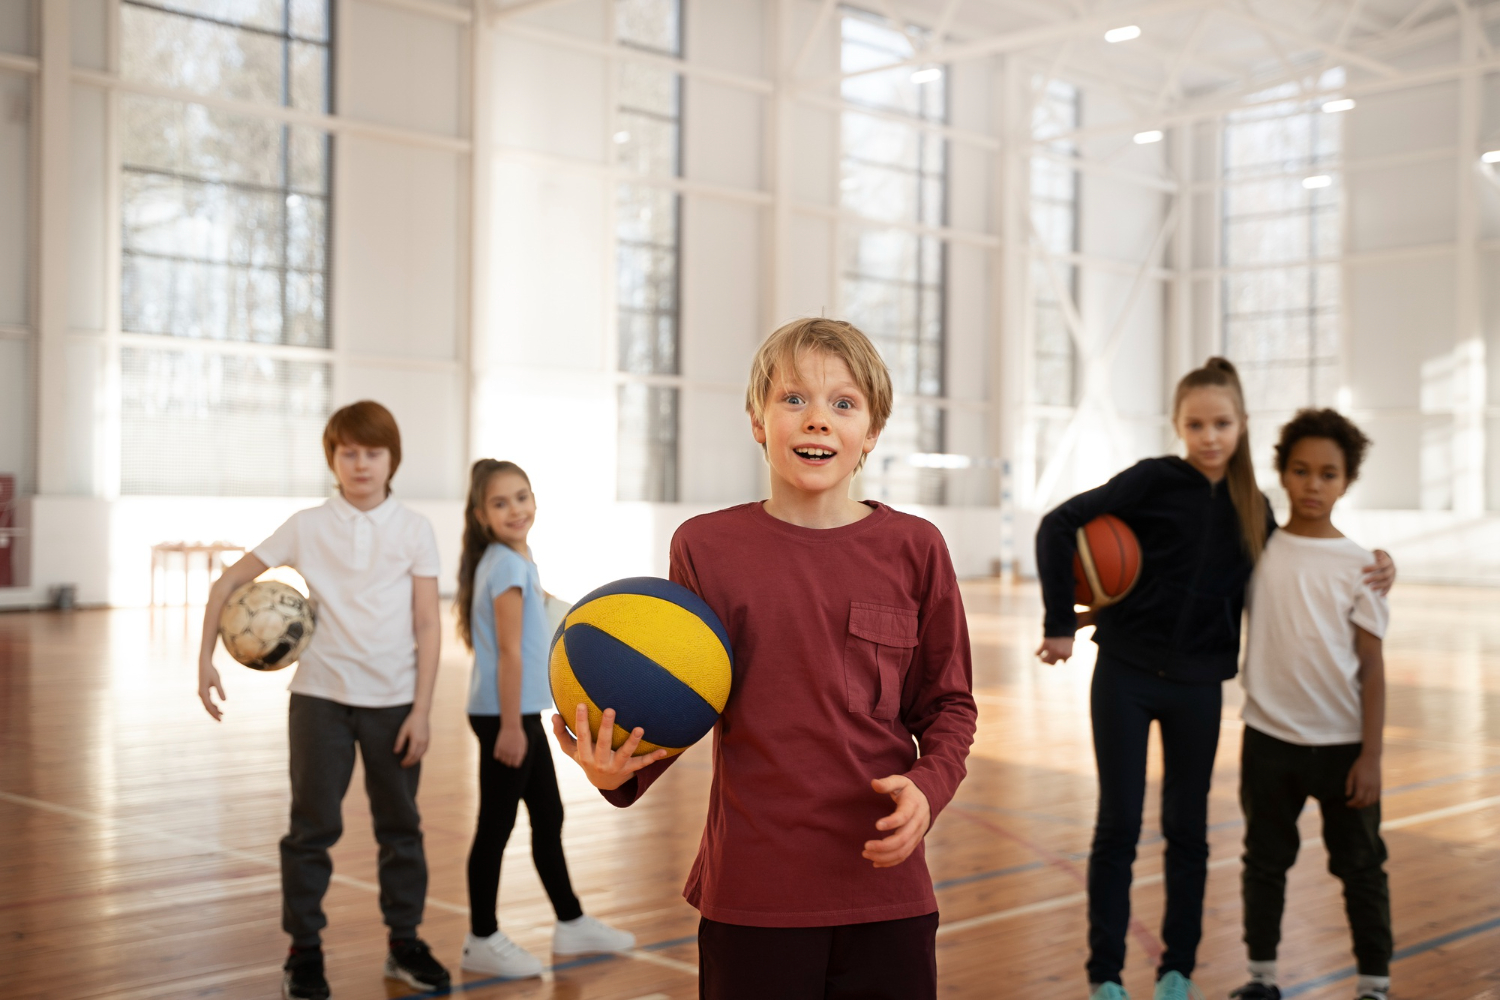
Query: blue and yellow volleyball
{"points": [[653, 651]]}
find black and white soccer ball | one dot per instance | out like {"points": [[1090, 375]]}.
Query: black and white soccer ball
{"points": [[266, 625]]}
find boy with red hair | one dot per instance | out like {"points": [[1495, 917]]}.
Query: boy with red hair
{"points": [[365, 680]]}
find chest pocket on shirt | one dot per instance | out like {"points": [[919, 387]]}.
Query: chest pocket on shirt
{"points": [[877, 652]]}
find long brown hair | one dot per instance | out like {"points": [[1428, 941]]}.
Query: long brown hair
{"points": [[477, 538], [1249, 502]]}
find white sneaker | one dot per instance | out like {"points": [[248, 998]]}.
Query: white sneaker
{"points": [[585, 934], [498, 955]]}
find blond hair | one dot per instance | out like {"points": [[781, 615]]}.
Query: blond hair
{"points": [[844, 341]]}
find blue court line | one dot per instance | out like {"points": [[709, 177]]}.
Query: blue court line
{"points": [[1407, 952], [576, 963], [949, 883]]}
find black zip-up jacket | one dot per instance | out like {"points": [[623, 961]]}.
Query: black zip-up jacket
{"points": [[1182, 619]]}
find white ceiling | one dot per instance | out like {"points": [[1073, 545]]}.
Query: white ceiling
{"points": [[1196, 52]]}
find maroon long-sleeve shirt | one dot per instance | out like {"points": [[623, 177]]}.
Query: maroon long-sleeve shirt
{"points": [[851, 651]]}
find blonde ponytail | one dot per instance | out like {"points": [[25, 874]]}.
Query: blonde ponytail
{"points": [[1248, 501]]}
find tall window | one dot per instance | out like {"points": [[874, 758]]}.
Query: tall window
{"points": [[1054, 214], [894, 277], [1053, 277], [224, 237], [1281, 216], [648, 141]]}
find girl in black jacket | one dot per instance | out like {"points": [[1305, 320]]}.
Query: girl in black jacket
{"points": [[1163, 653]]}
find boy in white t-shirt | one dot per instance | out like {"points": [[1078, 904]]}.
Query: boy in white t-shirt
{"points": [[365, 680], [1314, 682]]}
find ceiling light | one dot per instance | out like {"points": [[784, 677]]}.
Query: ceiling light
{"points": [[1342, 104], [1141, 138], [1493, 156], [1319, 181], [939, 460], [1125, 34], [621, 138], [927, 75]]}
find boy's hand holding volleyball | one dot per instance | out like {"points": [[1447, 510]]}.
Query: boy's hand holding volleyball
{"points": [[908, 822], [606, 768]]}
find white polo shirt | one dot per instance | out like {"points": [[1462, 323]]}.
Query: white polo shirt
{"points": [[1301, 672], [359, 567]]}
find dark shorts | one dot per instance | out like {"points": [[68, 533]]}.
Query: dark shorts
{"points": [[885, 960]]}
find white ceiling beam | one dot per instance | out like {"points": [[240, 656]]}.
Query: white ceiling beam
{"points": [[804, 53], [1199, 112], [944, 21], [499, 13], [1169, 86], [1342, 53], [1026, 38]]}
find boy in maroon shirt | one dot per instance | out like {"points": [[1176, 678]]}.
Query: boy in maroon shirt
{"points": [[851, 652]]}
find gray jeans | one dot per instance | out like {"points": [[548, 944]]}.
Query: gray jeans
{"points": [[323, 736]]}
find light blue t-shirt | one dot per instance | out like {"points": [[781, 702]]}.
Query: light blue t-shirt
{"points": [[499, 569]]}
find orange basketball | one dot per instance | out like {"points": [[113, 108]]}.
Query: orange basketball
{"points": [[1108, 562]]}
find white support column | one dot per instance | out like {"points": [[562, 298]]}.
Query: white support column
{"points": [[777, 129], [1017, 436], [111, 406], [1179, 333], [1468, 350], [53, 175], [481, 174], [1008, 311]]}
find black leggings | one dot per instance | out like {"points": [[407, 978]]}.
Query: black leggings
{"points": [[1124, 701], [501, 790]]}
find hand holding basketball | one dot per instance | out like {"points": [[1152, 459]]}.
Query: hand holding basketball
{"points": [[606, 768]]}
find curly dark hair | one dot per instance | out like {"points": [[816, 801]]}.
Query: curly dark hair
{"points": [[1330, 424]]}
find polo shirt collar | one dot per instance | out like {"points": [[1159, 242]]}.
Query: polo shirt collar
{"points": [[348, 512]]}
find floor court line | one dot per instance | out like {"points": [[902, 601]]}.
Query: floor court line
{"points": [[1419, 948], [646, 952], [1154, 839]]}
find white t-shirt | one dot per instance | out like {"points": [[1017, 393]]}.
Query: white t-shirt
{"points": [[1301, 673], [359, 567]]}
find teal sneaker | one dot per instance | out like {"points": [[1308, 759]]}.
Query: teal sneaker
{"points": [[1109, 991], [1175, 986]]}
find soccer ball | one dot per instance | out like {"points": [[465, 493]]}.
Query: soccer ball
{"points": [[266, 625]]}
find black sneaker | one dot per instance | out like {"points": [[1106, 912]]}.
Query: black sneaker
{"points": [[1256, 991], [303, 979], [411, 961]]}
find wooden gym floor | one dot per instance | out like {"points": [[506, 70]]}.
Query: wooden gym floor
{"points": [[140, 838]]}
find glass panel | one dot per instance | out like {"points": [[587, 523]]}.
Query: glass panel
{"points": [[890, 476], [269, 51], [649, 88], [647, 144], [647, 215], [309, 77], [198, 424], [264, 14], [651, 24], [174, 51], [209, 229], [1281, 323], [647, 463]]}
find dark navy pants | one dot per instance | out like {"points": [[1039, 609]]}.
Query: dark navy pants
{"points": [[884, 960], [1124, 702]]}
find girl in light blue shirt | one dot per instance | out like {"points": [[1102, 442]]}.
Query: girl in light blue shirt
{"points": [[502, 617]]}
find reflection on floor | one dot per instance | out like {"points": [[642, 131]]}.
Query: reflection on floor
{"points": [[140, 838]]}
